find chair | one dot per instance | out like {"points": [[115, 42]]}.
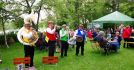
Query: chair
{"points": [[105, 47], [94, 44]]}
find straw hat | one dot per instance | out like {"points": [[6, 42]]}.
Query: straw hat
{"points": [[50, 22], [64, 25], [80, 25], [101, 33]]}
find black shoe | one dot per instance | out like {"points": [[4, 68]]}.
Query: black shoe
{"points": [[82, 54]]}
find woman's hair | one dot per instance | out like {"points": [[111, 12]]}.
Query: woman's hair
{"points": [[101, 33]]}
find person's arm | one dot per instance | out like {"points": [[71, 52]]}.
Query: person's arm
{"points": [[51, 31], [61, 34]]}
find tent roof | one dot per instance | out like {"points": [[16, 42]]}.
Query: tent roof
{"points": [[115, 17]]}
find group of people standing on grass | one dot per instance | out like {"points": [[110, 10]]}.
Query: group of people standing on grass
{"points": [[64, 37], [28, 36]]}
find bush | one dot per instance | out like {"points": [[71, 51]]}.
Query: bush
{"points": [[11, 38]]}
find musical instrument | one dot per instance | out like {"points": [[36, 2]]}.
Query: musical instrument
{"points": [[28, 37], [79, 38]]}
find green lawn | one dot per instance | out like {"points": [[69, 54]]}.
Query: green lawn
{"points": [[92, 60]]}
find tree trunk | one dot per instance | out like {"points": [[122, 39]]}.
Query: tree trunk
{"points": [[5, 37], [38, 15]]}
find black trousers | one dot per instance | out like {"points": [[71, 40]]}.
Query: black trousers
{"points": [[64, 48], [51, 48], [78, 46], [29, 52]]}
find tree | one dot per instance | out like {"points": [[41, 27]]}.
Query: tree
{"points": [[3, 18]]}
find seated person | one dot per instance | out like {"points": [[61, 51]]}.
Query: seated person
{"points": [[109, 35], [116, 41], [100, 39], [132, 39]]}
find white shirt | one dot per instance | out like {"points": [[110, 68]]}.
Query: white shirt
{"points": [[51, 31]]}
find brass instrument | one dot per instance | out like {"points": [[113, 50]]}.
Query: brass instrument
{"points": [[29, 37]]}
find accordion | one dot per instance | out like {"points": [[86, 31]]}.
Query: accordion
{"points": [[79, 39]]}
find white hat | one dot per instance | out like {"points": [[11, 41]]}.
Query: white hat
{"points": [[64, 25], [101, 33], [27, 23]]}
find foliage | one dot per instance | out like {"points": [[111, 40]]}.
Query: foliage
{"points": [[73, 12], [128, 8], [18, 23], [11, 38]]}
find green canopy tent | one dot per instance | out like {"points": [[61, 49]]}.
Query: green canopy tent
{"points": [[115, 17]]}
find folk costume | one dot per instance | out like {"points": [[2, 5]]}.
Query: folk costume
{"points": [[51, 39], [80, 39], [64, 41], [28, 37]]}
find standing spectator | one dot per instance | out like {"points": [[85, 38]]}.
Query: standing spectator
{"points": [[64, 40], [71, 33], [58, 43], [71, 40], [126, 34], [121, 28], [89, 33], [94, 34]]}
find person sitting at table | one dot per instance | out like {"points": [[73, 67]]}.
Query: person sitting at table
{"points": [[115, 42], [101, 39], [132, 38], [109, 35], [132, 34]]}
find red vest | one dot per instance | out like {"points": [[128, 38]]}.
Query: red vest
{"points": [[52, 37]]}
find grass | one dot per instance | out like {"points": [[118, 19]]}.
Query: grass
{"points": [[92, 60]]}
